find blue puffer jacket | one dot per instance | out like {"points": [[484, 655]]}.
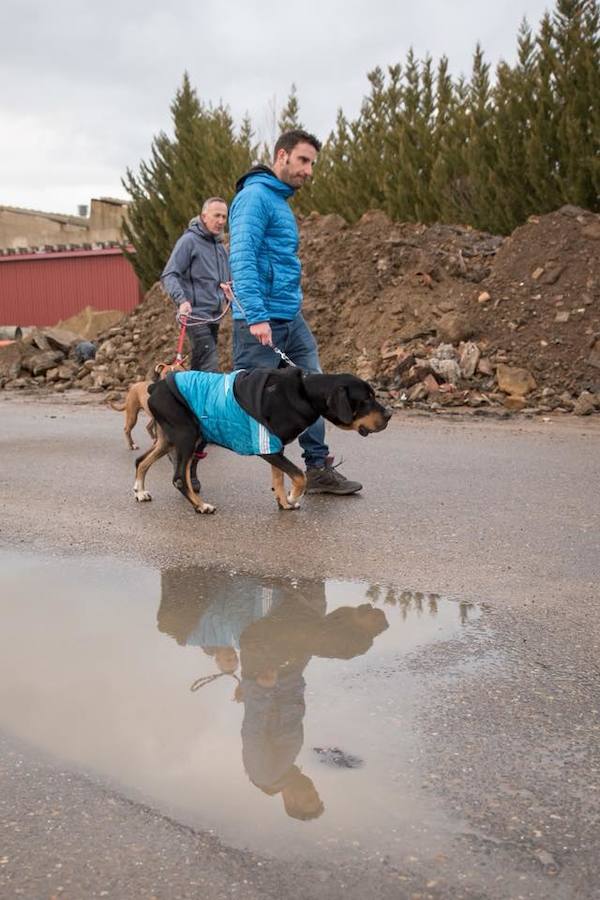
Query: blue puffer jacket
{"points": [[263, 251], [223, 421]]}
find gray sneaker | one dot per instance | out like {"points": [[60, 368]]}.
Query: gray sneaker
{"points": [[328, 480]]}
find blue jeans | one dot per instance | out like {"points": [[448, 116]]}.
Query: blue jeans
{"points": [[296, 340]]}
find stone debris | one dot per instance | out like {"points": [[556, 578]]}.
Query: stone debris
{"points": [[514, 381], [433, 316]]}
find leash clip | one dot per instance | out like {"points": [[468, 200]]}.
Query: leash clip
{"points": [[284, 357]]}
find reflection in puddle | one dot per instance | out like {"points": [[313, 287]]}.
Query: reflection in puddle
{"points": [[130, 673], [269, 630]]}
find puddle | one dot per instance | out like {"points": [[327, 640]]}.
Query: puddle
{"points": [[275, 712]]}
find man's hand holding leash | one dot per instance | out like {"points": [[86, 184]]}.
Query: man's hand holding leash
{"points": [[262, 332]]}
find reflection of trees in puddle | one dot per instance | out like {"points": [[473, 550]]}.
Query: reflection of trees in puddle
{"points": [[416, 601], [270, 629]]}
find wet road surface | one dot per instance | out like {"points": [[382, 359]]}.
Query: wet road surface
{"points": [[391, 695]]}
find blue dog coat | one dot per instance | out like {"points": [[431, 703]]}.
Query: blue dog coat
{"points": [[210, 397]]}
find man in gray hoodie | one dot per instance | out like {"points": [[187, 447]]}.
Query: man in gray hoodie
{"points": [[195, 278]]}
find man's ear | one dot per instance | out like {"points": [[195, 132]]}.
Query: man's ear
{"points": [[339, 406]]}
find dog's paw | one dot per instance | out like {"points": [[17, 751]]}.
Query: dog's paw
{"points": [[289, 504], [135, 447], [205, 508], [142, 496]]}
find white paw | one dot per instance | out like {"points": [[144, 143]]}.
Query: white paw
{"points": [[142, 496], [206, 508], [289, 504]]}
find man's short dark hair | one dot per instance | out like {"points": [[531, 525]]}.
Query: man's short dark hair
{"points": [[290, 139]]}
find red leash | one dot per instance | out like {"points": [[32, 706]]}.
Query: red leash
{"points": [[179, 355]]}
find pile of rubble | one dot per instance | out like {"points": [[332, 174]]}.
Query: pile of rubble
{"points": [[117, 355], [434, 316]]}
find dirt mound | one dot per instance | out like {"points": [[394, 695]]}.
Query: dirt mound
{"points": [[433, 315], [544, 307]]}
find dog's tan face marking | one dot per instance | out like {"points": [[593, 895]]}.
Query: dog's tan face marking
{"points": [[372, 421]]}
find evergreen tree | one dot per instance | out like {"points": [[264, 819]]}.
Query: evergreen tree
{"points": [[332, 185], [576, 75], [514, 95], [480, 150], [424, 147], [449, 167], [203, 159], [289, 119]]}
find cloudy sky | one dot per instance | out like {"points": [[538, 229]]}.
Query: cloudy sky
{"points": [[85, 87]]}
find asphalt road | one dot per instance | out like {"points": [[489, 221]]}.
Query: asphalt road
{"points": [[504, 725]]}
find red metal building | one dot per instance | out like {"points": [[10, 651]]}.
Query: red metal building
{"points": [[42, 287]]}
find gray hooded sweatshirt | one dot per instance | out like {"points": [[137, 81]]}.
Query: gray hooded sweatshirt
{"points": [[196, 267]]}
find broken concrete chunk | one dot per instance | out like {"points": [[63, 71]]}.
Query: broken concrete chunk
{"points": [[447, 369], [468, 358], [39, 363]]}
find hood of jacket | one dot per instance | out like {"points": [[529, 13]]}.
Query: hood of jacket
{"points": [[264, 175], [197, 227]]}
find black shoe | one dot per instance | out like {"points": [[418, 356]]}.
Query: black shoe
{"points": [[328, 480]]}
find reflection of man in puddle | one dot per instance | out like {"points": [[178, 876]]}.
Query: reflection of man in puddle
{"points": [[278, 628], [275, 650]]}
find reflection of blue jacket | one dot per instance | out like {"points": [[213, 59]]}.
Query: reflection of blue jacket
{"points": [[222, 624], [263, 250], [223, 421]]}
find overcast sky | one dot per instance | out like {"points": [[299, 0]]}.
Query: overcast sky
{"points": [[85, 87]]}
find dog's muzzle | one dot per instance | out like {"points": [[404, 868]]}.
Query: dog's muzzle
{"points": [[386, 415]]}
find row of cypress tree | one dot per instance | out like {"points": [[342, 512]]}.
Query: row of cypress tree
{"points": [[425, 146]]}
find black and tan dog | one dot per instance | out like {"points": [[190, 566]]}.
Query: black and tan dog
{"points": [[284, 401]]}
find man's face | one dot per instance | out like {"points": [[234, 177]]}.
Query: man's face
{"points": [[296, 167], [215, 217]]}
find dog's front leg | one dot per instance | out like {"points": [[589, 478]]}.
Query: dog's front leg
{"points": [[280, 466]]}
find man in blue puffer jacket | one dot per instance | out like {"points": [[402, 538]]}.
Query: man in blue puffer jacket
{"points": [[266, 273]]}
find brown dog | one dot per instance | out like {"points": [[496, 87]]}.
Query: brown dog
{"points": [[137, 399]]}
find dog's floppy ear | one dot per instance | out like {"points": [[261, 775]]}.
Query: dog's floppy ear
{"points": [[339, 406]]}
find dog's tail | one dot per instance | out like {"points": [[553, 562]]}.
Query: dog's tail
{"points": [[119, 407]]}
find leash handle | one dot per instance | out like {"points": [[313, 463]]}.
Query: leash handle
{"points": [[280, 353], [179, 354]]}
